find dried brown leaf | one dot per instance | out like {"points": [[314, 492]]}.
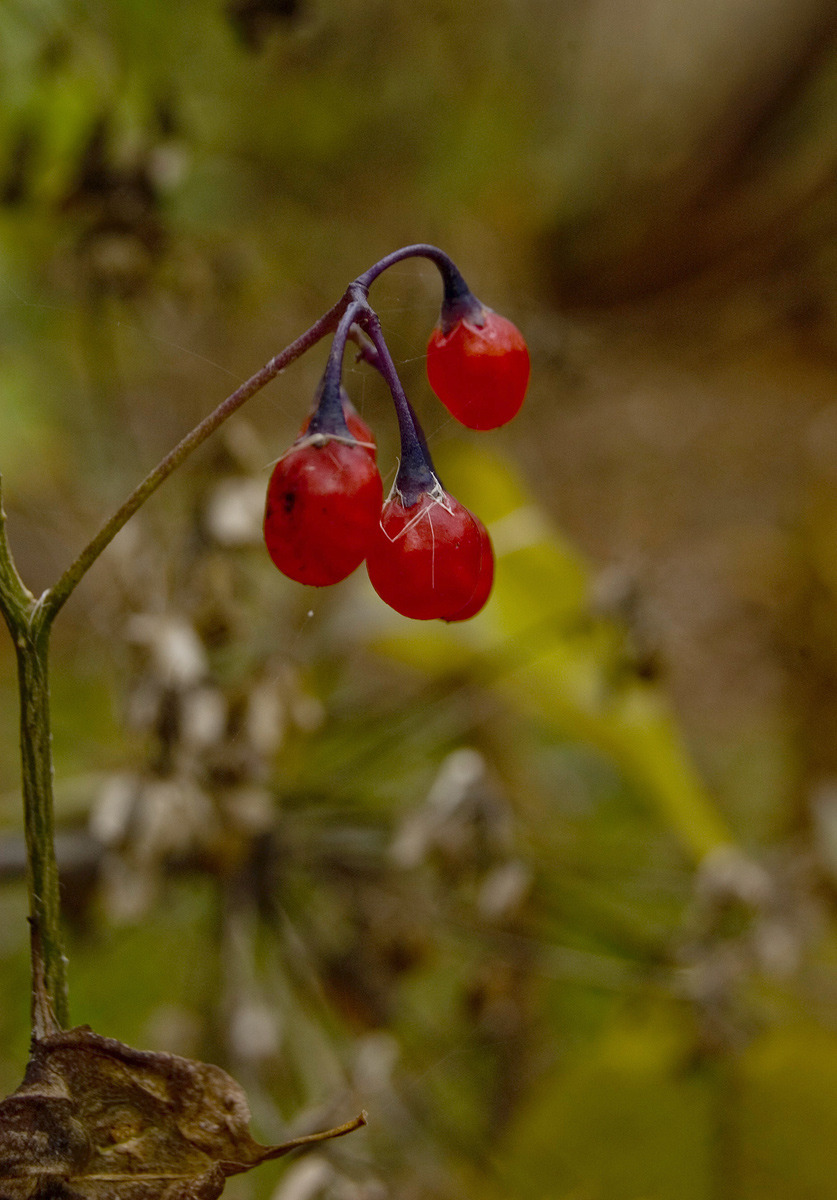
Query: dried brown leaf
{"points": [[97, 1120]]}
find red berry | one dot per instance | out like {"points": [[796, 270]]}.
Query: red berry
{"points": [[323, 509], [484, 582], [479, 372], [425, 559], [358, 427]]}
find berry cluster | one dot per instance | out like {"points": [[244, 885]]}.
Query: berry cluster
{"points": [[427, 555]]}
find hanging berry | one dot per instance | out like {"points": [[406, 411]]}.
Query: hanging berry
{"points": [[324, 496], [323, 504], [477, 361], [428, 556], [425, 559]]}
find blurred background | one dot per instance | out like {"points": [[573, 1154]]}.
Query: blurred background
{"points": [[551, 894]]}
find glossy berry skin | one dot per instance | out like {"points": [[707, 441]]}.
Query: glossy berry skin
{"points": [[480, 372], [425, 559], [323, 507], [485, 580], [359, 430]]}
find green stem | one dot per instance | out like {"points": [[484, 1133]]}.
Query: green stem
{"points": [[18, 607], [38, 810], [56, 597], [29, 623]]}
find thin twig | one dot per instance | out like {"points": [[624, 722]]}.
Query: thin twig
{"points": [[55, 598]]}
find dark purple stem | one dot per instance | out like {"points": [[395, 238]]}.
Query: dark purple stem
{"points": [[459, 302], [329, 417], [455, 286], [416, 474], [368, 353]]}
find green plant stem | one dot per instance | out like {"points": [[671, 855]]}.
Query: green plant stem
{"points": [[30, 623], [38, 809], [18, 607], [56, 597]]}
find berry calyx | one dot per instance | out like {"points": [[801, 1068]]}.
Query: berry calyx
{"points": [[477, 363], [355, 423], [485, 579], [425, 560], [324, 497]]}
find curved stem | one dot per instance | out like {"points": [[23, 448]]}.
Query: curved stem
{"points": [[334, 366], [456, 289], [54, 599], [455, 286]]}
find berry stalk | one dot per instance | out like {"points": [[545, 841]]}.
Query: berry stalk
{"points": [[415, 471], [455, 286], [56, 597], [329, 416]]}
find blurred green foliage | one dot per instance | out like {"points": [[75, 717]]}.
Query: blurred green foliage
{"points": [[471, 877]]}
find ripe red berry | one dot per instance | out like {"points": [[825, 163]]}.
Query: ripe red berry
{"points": [[323, 508], [479, 367], [484, 581], [425, 559]]}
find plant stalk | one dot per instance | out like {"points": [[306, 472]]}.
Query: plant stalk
{"points": [[38, 818], [17, 605], [56, 597], [30, 621]]}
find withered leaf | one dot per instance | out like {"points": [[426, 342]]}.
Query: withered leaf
{"points": [[97, 1120]]}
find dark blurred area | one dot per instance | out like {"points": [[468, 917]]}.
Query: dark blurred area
{"points": [[551, 894]]}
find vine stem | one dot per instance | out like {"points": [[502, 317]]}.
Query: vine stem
{"points": [[454, 285], [53, 600], [30, 623], [30, 620], [56, 597]]}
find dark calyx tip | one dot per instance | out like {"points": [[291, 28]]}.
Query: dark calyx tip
{"points": [[415, 474], [459, 303], [329, 417]]}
